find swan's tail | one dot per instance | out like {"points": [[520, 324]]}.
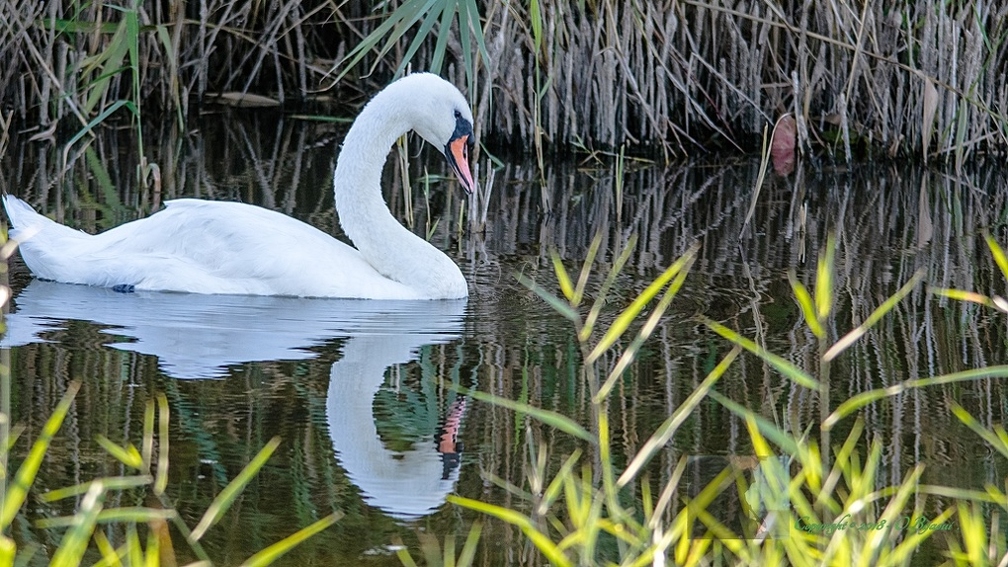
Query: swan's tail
{"points": [[23, 218], [44, 243], [16, 208], [26, 223]]}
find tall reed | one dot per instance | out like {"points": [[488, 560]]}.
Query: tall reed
{"points": [[670, 77]]}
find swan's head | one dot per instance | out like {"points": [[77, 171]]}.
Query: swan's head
{"points": [[442, 117]]}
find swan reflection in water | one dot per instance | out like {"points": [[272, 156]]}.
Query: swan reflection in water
{"points": [[198, 336]]}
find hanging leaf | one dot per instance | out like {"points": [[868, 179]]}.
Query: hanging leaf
{"points": [[782, 145]]}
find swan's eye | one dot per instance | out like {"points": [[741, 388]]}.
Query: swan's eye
{"points": [[463, 134]]}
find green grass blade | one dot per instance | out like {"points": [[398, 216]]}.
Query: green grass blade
{"points": [[25, 476], [826, 490], [552, 491], [441, 47], [8, 550], [991, 437], [772, 489], [914, 538], [111, 204], [661, 436], [370, 41], [183, 528], [70, 26], [623, 321], [535, 19], [962, 295], [630, 354], [75, 540], [808, 309], [98, 88], [15, 434], [589, 260], [766, 427], [109, 554], [418, 41], [473, 15], [161, 477], [579, 504], [152, 553], [403, 554], [874, 318], [278, 549], [231, 491], [110, 62], [148, 435], [392, 29], [999, 255], [790, 371], [539, 539], [562, 278], [132, 21], [860, 400], [134, 550], [98, 120], [410, 13], [128, 455], [557, 304], [468, 555], [550, 418], [973, 532], [603, 293], [824, 279], [465, 22], [123, 515], [114, 483]]}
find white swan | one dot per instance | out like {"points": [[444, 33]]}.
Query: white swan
{"points": [[232, 248]]}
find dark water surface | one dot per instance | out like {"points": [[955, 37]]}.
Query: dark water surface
{"points": [[365, 395]]}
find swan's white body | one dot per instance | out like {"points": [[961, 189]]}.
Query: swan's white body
{"points": [[232, 248]]}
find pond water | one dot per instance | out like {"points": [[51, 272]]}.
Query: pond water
{"points": [[368, 397]]}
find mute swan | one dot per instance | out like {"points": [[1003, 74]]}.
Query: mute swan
{"points": [[232, 248]]}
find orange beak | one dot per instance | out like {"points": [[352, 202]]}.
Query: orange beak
{"points": [[457, 152]]}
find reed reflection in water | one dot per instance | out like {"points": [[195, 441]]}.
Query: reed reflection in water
{"points": [[889, 222]]}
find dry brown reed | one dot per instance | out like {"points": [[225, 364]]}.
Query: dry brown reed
{"points": [[862, 78], [915, 78], [859, 76], [52, 53]]}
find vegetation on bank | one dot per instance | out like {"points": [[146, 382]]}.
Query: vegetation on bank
{"points": [[675, 77], [795, 501]]}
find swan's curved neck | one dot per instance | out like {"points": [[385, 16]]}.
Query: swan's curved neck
{"points": [[389, 247]]}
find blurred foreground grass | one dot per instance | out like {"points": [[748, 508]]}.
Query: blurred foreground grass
{"points": [[797, 500]]}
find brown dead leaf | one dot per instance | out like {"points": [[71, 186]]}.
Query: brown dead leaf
{"points": [[783, 143]]}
